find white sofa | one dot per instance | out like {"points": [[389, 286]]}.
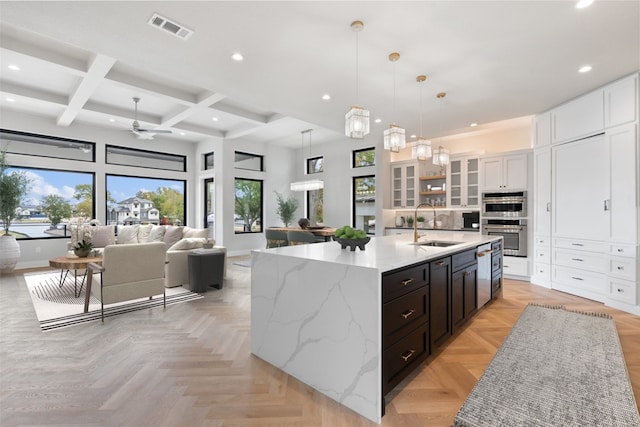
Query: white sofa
{"points": [[179, 241]]}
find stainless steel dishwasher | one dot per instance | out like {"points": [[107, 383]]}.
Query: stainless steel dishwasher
{"points": [[484, 275]]}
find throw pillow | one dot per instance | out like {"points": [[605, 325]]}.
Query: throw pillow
{"points": [[188, 243], [127, 234], [102, 235], [156, 234], [189, 232], [143, 232], [172, 234]]}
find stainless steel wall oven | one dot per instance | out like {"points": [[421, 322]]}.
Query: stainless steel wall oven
{"points": [[513, 232], [504, 204]]}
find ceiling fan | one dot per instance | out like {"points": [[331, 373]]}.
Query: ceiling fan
{"points": [[138, 131]]}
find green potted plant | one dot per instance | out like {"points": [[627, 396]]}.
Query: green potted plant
{"points": [[286, 208], [83, 248], [410, 221], [13, 187], [420, 220]]}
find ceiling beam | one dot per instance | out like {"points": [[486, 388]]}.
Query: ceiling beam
{"points": [[98, 69], [205, 100]]}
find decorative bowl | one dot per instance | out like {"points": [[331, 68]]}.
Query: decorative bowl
{"points": [[352, 243]]}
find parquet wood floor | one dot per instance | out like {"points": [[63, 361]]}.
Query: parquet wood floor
{"points": [[190, 365]]}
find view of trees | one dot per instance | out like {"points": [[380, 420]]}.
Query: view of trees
{"points": [[248, 204], [55, 208], [168, 201]]}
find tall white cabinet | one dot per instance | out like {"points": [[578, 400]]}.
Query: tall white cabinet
{"points": [[586, 194], [463, 179]]}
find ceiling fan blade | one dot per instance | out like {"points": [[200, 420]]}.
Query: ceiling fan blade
{"points": [[155, 130]]}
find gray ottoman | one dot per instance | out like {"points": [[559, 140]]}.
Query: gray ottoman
{"points": [[206, 269]]}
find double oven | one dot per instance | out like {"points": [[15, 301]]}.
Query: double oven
{"points": [[503, 214]]}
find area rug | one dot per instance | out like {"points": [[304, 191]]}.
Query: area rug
{"points": [[556, 368], [57, 307], [243, 263]]}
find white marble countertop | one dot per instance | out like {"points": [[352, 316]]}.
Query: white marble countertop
{"points": [[386, 253]]}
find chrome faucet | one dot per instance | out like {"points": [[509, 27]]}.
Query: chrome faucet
{"points": [[416, 236]]}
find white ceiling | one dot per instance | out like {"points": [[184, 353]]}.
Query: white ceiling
{"points": [[82, 62]]}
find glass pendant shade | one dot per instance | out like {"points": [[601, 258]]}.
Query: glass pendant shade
{"points": [[394, 138], [310, 185], [356, 123], [421, 149], [441, 156]]}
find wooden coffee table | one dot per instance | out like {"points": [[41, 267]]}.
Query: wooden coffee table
{"points": [[65, 264]]}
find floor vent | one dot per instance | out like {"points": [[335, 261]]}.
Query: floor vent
{"points": [[174, 28]]}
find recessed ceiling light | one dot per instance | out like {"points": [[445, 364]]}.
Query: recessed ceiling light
{"points": [[215, 119], [473, 125], [13, 67], [326, 97], [585, 69], [237, 56], [112, 120], [10, 100], [182, 133], [378, 120], [583, 3]]}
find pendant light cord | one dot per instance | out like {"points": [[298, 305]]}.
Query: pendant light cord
{"points": [[357, 72]]}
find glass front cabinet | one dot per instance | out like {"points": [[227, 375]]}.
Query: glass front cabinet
{"points": [[463, 183]]}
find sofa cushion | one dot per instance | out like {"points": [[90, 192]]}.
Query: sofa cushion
{"points": [[102, 235], [189, 232], [127, 234], [143, 232], [172, 234], [188, 243], [155, 235]]}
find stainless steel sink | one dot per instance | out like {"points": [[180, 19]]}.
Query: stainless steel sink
{"points": [[435, 243]]}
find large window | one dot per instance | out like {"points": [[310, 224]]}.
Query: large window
{"points": [[315, 206], [210, 206], [55, 197], [364, 203], [138, 200], [364, 157], [248, 206]]}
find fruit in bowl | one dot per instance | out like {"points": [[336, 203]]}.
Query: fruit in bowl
{"points": [[347, 236]]}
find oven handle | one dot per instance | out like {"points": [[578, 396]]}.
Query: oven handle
{"points": [[502, 201], [504, 230]]}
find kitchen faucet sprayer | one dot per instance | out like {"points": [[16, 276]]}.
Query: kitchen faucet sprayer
{"points": [[416, 236]]}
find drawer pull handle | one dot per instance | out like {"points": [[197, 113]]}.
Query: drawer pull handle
{"points": [[577, 244], [577, 259], [620, 250], [577, 278], [408, 355], [620, 268], [406, 282], [407, 313], [440, 264], [621, 291], [466, 274]]}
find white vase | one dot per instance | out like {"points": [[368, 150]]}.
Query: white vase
{"points": [[9, 253]]}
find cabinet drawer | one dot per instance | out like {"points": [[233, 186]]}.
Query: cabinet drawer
{"points": [[589, 261], [579, 282], [463, 259], [623, 250], [496, 246], [542, 241], [398, 283], [624, 268], [542, 254], [403, 314], [581, 245], [496, 262], [623, 291], [400, 359], [542, 271], [517, 266], [496, 286]]}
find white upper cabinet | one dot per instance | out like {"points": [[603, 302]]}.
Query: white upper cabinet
{"points": [[462, 178], [404, 185], [579, 118], [621, 101], [542, 129], [504, 173]]}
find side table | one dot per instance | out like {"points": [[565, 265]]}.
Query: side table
{"points": [[67, 263], [206, 268]]}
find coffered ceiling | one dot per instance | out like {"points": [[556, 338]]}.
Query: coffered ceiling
{"points": [[83, 62]]}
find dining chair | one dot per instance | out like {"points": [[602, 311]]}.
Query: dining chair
{"points": [[299, 237], [276, 238]]}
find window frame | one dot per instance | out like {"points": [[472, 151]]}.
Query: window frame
{"points": [[355, 153], [311, 159], [144, 154], [243, 153], [261, 204], [353, 199]]}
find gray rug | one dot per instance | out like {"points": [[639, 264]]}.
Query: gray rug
{"points": [[556, 368]]}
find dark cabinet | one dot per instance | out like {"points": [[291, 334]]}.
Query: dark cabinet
{"points": [[440, 301], [496, 269], [464, 284], [405, 322]]}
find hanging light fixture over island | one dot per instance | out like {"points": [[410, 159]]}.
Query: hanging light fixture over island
{"points": [[394, 137], [356, 123]]}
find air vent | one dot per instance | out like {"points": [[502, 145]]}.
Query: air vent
{"points": [[170, 26]]}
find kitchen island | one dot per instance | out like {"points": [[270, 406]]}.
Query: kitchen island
{"points": [[317, 311]]}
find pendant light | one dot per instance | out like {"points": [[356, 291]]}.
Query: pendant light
{"points": [[441, 154], [310, 184], [394, 138], [356, 124], [422, 147]]}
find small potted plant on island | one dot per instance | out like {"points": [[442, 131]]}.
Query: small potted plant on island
{"points": [[13, 187], [410, 221], [420, 220]]}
